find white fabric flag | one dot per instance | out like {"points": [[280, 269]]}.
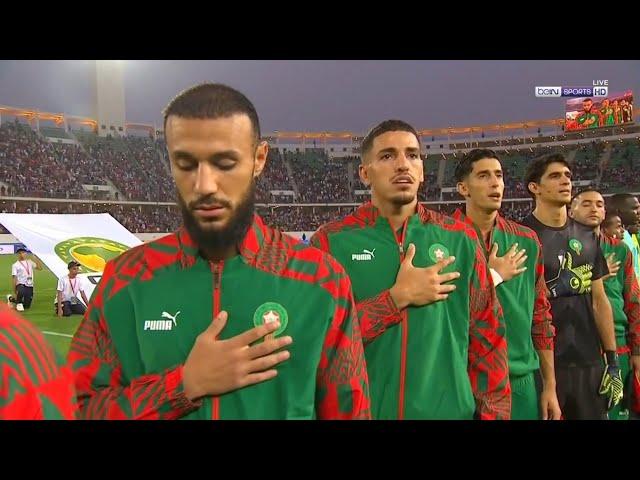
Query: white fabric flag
{"points": [[57, 239]]}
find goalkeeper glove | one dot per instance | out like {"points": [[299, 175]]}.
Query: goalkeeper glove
{"points": [[611, 385], [571, 281]]}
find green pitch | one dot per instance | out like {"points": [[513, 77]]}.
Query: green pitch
{"points": [[57, 331]]}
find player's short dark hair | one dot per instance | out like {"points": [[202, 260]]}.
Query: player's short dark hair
{"points": [[384, 127], [608, 218], [212, 100], [538, 167], [616, 203], [584, 190], [465, 164]]}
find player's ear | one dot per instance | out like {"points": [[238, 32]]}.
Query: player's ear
{"points": [[364, 174], [462, 189], [260, 160]]}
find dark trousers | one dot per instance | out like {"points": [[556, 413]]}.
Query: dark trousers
{"points": [[24, 295], [68, 309], [577, 389]]}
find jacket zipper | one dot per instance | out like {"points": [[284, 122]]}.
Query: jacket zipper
{"points": [[216, 268], [404, 326]]}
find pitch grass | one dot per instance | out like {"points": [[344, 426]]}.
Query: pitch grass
{"points": [[41, 312]]}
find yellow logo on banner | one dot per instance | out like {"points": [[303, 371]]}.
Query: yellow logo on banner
{"points": [[91, 252]]}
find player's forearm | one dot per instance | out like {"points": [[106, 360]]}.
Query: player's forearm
{"points": [[604, 321], [632, 307], [488, 367], [376, 314], [342, 383], [150, 397], [547, 369], [489, 376], [102, 387], [487, 364], [542, 331]]}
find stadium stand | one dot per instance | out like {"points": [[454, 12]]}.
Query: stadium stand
{"points": [[298, 191]]}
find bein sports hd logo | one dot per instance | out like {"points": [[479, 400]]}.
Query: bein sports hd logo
{"points": [[600, 88]]}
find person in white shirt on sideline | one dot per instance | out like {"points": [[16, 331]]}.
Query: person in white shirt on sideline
{"points": [[70, 288], [22, 275]]}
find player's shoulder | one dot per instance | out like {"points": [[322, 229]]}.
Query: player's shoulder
{"points": [[295, 249], [615, 243], [447, 223], [14, 330], [530, 221], [141, 262], [287, 257], [606, 240], [160, 252], [518, 229], [350, 222]]}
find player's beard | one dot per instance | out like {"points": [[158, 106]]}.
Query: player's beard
{"points": [[232, 234], [404, 198]]}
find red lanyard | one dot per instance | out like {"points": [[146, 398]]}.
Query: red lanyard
{"points": [[26, 268], [73, 286]]}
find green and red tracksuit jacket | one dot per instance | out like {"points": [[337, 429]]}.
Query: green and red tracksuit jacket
{"points": [[155, 299], [523, 299], [32, 384], [624, 295], [446, 360]]}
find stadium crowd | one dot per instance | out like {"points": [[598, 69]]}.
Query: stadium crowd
{"points": [[138, 169]]}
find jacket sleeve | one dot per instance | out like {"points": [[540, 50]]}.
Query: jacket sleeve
{"points": [[542, 330], [342, 381], [487, 364], [102, 391], [631, 293]]}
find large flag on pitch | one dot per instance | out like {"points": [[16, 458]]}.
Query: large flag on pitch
{"points": [[89, 239]]}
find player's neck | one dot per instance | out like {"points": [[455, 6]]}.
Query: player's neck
{"points": [[597, 231], [218, 254], [485, 221], [395, 214], [551, 215]]}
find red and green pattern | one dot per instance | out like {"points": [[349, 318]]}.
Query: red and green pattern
{"points": [[32, 385], [444, 360], [624, 295], [125, 369], [523, 299]]}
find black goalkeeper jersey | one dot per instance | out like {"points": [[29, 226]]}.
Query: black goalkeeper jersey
{"points": [[572, 260]]}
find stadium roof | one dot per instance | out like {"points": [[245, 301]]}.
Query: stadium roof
{"points": [[60, 118]]}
